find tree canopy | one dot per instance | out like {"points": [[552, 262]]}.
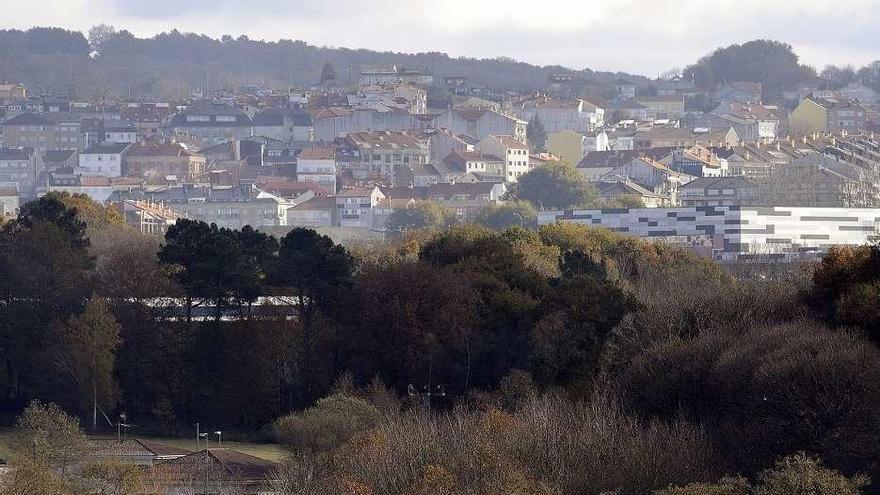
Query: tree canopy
{"points": [[771, 63], [555, 185]]}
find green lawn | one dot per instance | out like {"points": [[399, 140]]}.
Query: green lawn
{"points": [[268, 451]]}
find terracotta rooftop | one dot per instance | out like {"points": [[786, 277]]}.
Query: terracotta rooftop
{"points": [[318, 154]]}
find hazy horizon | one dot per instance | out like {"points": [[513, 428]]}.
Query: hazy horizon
{"points": [[635, 36]]}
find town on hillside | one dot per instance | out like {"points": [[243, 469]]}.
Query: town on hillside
{"points": [[246, 267], [689, 159]]}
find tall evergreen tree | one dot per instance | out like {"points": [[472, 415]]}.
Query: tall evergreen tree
{"points": [[536, 134], [86, 353]]}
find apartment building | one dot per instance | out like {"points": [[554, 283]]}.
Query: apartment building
{"points": [[383, 153], [43, 132]]}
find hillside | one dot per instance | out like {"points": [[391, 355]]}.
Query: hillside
{"points": [[173, 64]]}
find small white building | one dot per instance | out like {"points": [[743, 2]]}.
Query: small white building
{"points": [[103, 160], [120, 133], [97, 188], [317, 165], [355, 206], [595, 141]]}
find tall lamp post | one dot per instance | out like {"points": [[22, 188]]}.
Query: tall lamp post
{"points": [[219, 441]]}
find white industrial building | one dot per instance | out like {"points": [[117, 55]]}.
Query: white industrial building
{"points": [[730, 232]]}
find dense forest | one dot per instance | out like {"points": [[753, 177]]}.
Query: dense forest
{"points": [[564, 359]]}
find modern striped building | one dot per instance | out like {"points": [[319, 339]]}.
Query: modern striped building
{"points": [[731, 232]]}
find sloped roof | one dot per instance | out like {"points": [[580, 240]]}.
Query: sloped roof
{"points": [[318, 154], [158, 149], [510, 142], [29, 118], [58, 155], [106, 149], [16, 153], [212, 110]]}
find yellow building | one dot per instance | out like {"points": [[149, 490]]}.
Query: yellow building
{"points": [[807, 118], [567, 145], [827, 115]]}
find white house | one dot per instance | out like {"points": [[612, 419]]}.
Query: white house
{"points": [[102, 160], [596, 141], [562, 115], [120, 133], [514, 153], [482, 122], [355, 206], [317, 165], [97, 188]]}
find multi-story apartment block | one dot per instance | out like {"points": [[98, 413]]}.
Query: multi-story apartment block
{"points": [[482, 122], [827, 115], [209, 123], [284, 125], [161, 159], [561, 115], [43, 132], [662, 106], [514, 153], [384, 153], [228, 206], [19, 169]]}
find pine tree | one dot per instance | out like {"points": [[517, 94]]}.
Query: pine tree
{"points": [[537, 135], [88, 344]]}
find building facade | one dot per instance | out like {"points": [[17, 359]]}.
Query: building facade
{"points": [[42, 133], [19, 169], [317, 165], [729, 232], [162, 159]]}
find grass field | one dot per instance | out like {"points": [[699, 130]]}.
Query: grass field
{"points": [[268, 451]]}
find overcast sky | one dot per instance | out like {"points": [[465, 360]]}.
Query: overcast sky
{"points": [[638, 36]]}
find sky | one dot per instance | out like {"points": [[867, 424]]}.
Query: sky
{"points": [[638, 36]]}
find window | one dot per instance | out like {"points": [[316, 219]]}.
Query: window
{"points": [[711, 192]]}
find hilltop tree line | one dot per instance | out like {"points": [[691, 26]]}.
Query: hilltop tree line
{"points": [[172, 64], [109, 62], [563, 359]]}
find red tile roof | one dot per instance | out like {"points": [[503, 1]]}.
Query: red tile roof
{"points": [[318, 154]]}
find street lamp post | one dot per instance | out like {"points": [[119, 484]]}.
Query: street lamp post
{"points": [[219, 441], [520, 218]]}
